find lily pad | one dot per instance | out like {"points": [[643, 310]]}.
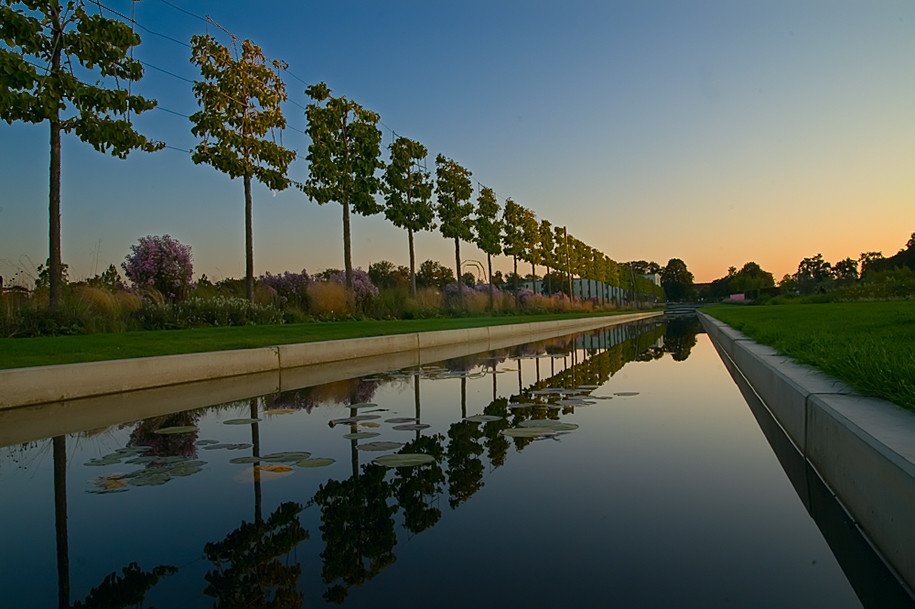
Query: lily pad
{"points": [[274, 468], [370, 424], [379, 446], [273, 411], [522, 405], [401, 420], [411, 427], [240, 421], [361, 435], [150, 478], [176, 429], [356, 419], [572, 402], [316, 462], [240, 460], [114, 483], [185, 469], [363, 405], [626, 393], [106, 460], [483, 418], [549, 424], [227, 446], [286, 457], [588, 387], [528, 432], [601, 397], [404, 460], [206, 442]]}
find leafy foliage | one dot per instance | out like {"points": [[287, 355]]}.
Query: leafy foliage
{"points": [[677, 281], [161, 263], [344, 155], [240, 103], [487, 224]]}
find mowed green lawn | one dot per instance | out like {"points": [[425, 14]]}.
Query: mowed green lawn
{"points": [[24, 352], [869, 345]]}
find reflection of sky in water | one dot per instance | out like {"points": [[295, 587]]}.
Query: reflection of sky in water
{"points": [[670, 497]]}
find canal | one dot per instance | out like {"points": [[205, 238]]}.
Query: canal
{"points": [[621, 467]]}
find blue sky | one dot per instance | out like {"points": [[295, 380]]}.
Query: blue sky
{"points": [[717, 132]]}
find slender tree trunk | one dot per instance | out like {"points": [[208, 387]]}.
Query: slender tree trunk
{"points": [[416, 405], [463, 397], [249, 241], [256, 452], [534, 278], [492, 290], [515, 280], [457, 262], [347, 249], [54, 259], [412, 264], [549, 282], [59, 444]]}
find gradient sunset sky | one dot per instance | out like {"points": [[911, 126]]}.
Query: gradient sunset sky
{"points": [[717, 132]]}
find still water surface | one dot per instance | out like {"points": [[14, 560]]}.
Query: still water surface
{"points": [[658, 489]]}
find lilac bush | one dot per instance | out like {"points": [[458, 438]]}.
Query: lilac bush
{"points": [[290, 288], [363, 288], [161, 263]]}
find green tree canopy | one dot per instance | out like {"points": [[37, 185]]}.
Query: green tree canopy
{"points": [[344, 155], [38, 83], [677, 281], [240, 100], [488, 233], [454, 207], [407, 194]]}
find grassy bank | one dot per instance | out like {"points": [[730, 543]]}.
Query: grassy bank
{"points": [[23, 352], [869, 345]]}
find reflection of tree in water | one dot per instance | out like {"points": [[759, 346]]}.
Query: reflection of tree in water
{"points": [[496, 444], [167, 445], [349, 391], [126, 590], [680, 336], [248, 571], [415, 487], [465, 470], [357, 530]]}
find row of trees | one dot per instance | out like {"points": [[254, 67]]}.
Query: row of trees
{"points": [[240, 94]]}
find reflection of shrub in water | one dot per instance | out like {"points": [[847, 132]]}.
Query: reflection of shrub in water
{"points": [[166, 445], [349, 391]]}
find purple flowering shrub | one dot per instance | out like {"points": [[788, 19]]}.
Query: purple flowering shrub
{"points": [[363, 288], [291, 288], [161, 263]]}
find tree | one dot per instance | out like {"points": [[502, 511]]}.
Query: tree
{"points": [[846, 269], [432, 274], [867, 260], [677, 281], [42, 36], [811, 272], [488, 232], [161, 263], [547, 248], [454, 207], [530, 231], [344, 154], [513, 235], [750, 278], [240, 100], [408, 194]]}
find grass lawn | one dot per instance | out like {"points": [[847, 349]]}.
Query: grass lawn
{"points": [[869, 345], [43, 351]]}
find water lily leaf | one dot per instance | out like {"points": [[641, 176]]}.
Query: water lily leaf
{"points": [[176, 429], [363, 405], [206, 442], [527, 432], [411, 427], [106, 460], [150, 478], [286, 457], [274, 468], [370, 424], [549, 424], [601, 397], [184, 469], [401, 420], [588, 386], [316, 462], [273, 411], [572, 402], [361, 435], [626, 393], [356, 419], [379, 446], [240, 421], [227, 446], [240, 460], [404, 460], [522, 405], [483, 418]]}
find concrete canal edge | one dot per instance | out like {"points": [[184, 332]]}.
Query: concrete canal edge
{"points": [[862, 448], [44, 384]]}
